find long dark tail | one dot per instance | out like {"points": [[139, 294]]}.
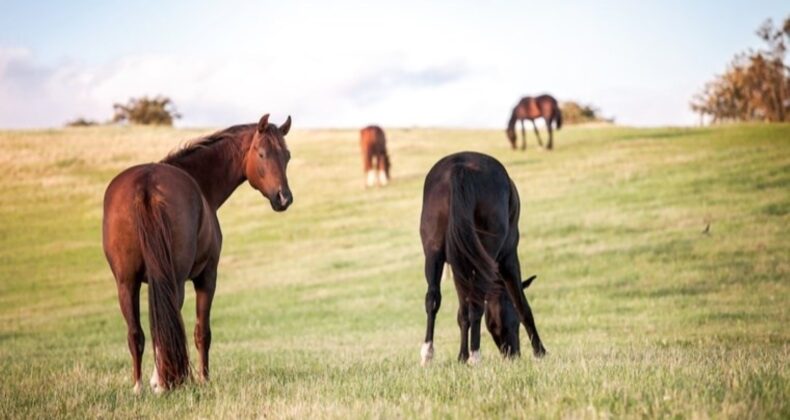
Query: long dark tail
{"points": [[558, 117], [167, 327], [474, 269]]}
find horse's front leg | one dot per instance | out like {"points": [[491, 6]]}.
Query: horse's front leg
{"points": [[475, 314], [205, 284], [537, 133], [463, 325], [523, 136]]}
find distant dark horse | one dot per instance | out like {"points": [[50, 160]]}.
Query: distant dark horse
{"points": [[161, 228], [529, 108], [469, 218], [375, 160]]}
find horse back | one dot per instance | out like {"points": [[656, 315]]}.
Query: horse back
{"points": [[195, 232], [372, 140], [492, 204]]}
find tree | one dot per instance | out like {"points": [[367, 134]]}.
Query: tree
{"points": [[156, 111], [756, 85], [81, 122], [576, 113]]}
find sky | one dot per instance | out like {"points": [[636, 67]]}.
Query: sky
{"points": [[352, 63]]}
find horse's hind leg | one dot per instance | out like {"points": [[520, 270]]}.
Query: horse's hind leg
{"points": [[433, 299], [205, 285], [537, 133], [511, 274], [367, 166], [382, 171], [129, 299], [551, 134]]}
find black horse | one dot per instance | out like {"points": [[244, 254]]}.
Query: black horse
{"points": [[469, 219]]}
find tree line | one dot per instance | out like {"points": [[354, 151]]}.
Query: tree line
{"points": [[159, 110], [756, 84]]}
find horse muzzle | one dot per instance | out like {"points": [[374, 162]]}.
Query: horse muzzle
{"points": [[282, 200]]}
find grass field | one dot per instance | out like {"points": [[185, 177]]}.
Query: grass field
{"points": [[319, 310]]}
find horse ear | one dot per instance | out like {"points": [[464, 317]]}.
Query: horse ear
{"points": [[528, 281], [286, 127], [263, 123]]}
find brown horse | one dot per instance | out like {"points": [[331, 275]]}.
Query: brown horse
{"points": [[160, 227], [374, 155], [529, 108], [469, 219]]}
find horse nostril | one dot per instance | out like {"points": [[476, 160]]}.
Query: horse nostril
{"points": [[283, 197]]}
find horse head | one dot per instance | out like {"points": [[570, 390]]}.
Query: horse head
{"points": [[267, 160]]}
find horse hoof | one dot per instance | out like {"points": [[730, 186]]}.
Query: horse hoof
{"points": [[475, 358], [138, 388], [157, 388], [539, 352], [426, 353]]}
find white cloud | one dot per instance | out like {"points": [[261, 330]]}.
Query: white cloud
{"points": [[223, 91]]}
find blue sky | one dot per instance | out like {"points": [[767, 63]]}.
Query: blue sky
{"points": [[347, 64]]}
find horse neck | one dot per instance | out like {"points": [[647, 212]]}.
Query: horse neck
{"points": [[511, 124], [218, 168]]}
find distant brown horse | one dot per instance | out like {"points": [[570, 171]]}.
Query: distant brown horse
{"points": [[161, 228], [529, 108], [470, 213], [375, 160]]}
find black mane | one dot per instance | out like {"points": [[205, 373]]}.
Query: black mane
{"points": [[205, 142]]}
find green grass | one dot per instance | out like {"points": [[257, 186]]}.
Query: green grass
{"points": [[319, 310]]}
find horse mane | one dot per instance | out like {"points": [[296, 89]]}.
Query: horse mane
{"points": [[200, 143]]}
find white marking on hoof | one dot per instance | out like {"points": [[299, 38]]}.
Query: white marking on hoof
{"points": [[371, 181], [383, 178], [426, 353], [475, 358], [154, 382], [138, 388]]}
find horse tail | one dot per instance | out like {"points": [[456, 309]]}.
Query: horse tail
{"points": [[167, 328], [558, 117], [473, 268]]}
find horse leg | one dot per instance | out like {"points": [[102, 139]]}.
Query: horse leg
{"points": [[382, 172], [129, 299], [510, 270], [475, 314], [205, 285], [367, 163], [523, 136], [551, 134], [463, 325], [433, 300], [537, 133]]}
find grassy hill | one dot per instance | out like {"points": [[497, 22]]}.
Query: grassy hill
{"points": [[319, 310]]}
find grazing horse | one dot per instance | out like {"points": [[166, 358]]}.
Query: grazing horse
{"points": [[374, 147], [529, 108], [160, 227], [469, 219]]}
